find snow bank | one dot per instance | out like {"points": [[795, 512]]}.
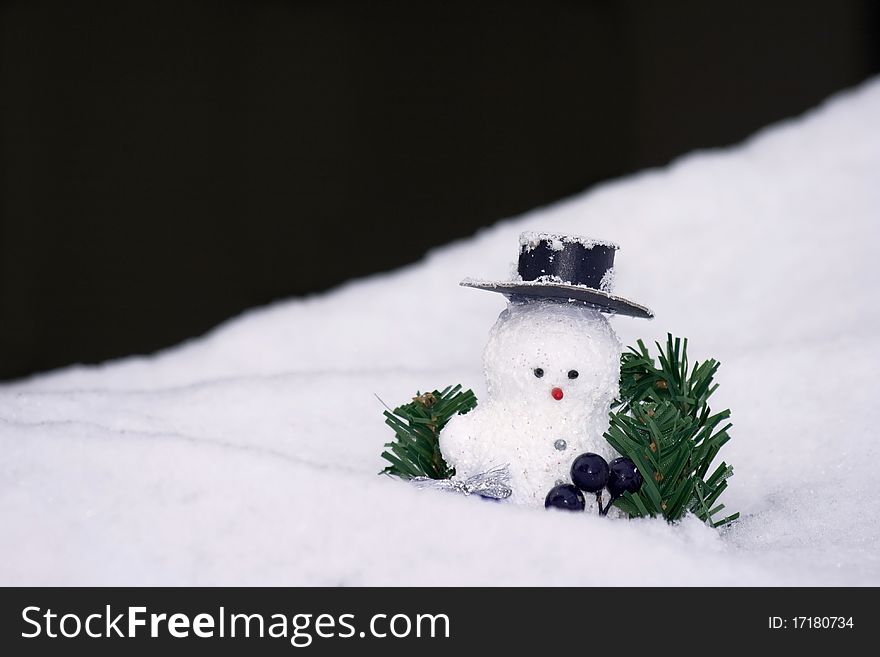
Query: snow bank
{"points": [[249, 456]]}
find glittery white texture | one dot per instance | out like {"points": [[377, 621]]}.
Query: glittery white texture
{"points": [[520, 422], [607, 282], [550, 278], [557, 241]]}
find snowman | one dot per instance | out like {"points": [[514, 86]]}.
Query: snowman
{"points": [[552, 367]]}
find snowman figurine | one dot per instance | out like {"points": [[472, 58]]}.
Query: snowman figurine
{"points": [[552, 367]]}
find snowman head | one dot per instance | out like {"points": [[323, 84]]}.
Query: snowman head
{"points": [[557, 357]]}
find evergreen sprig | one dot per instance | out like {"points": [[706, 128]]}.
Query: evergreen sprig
{"points": [[663, 422], [415, 451]]}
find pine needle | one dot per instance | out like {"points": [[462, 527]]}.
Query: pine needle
{"points": [[415, 451], [664, 424]]}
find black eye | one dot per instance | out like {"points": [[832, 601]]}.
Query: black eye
{"points": [[539, 372], [572, 374]]}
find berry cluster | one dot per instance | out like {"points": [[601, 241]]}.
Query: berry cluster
{"points": [[590, 474]]}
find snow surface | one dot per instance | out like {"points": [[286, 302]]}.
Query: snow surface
{"points": [[249, 456]]}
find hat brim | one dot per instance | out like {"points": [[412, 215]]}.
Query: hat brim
{"points": [[598, 299]]}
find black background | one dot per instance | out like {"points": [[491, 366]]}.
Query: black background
{"points": [[164, 165]]}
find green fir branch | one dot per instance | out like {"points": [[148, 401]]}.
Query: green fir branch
{"points": [[663, 422], [415, 451]]}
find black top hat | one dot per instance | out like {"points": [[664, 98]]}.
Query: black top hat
{"points": [[565, 268]]}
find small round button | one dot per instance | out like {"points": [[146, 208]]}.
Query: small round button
{"points": [[560, 445]]}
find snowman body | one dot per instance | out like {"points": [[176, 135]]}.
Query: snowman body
{"points": [[552, 371]]}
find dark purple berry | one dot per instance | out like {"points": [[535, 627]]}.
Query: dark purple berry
{"points": [[623, 477], [589, 472], [565, 496]]}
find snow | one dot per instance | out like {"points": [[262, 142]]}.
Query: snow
{"points": [[249, 456], [607, 282], [530, 239], [518, 421]]}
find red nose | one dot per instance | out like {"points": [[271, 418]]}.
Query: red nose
{"points": [[557, 393]]}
